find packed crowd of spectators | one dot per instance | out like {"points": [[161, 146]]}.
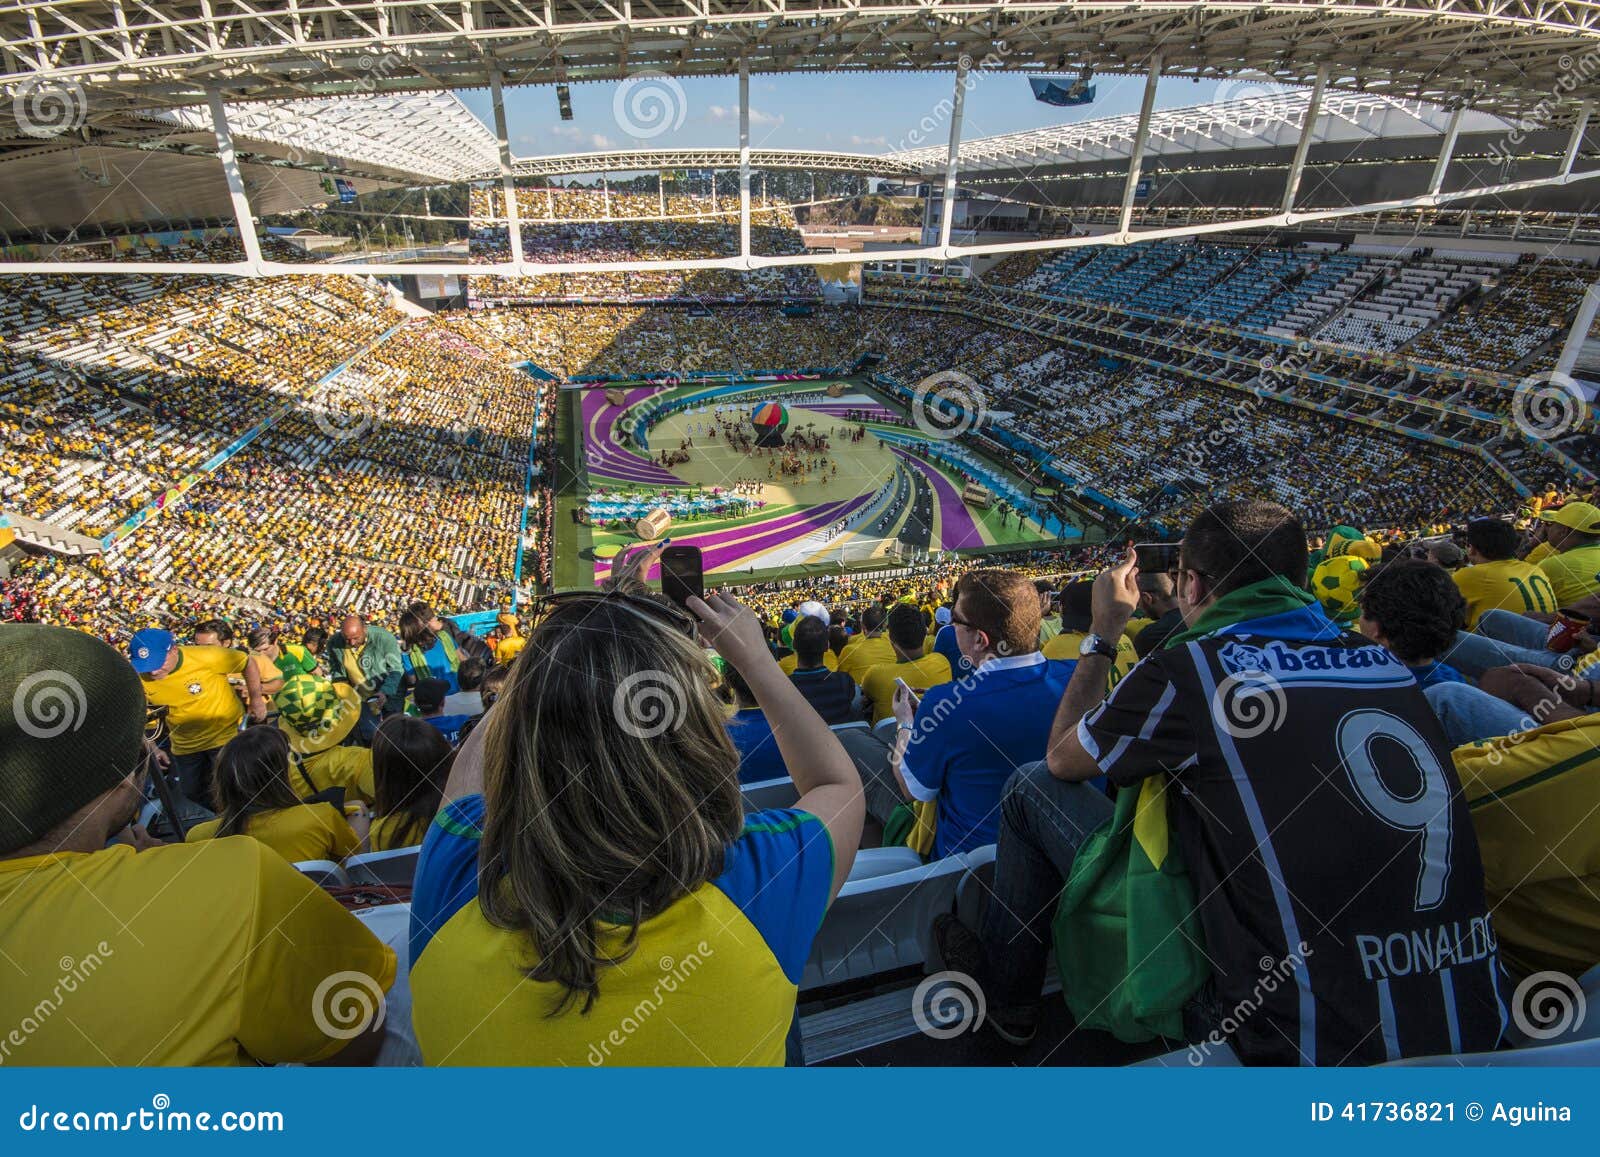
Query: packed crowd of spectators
{"points": [[516, 785]]}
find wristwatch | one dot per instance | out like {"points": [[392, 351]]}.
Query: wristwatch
{"points": [[1095, 645]]}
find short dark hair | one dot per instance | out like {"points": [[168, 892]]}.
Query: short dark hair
{"points": [[315, 639], [837, 637], [872, 618], [429, 694], [1077, 605], [1003, 605], [470, 674], [810, 637], [908, 630], [221, 628], [1417, 607], [1234, 544], [1494, 538]]}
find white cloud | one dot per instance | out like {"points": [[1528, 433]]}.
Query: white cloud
{"points": [[722, 112], [582, 137], [863, 142]]}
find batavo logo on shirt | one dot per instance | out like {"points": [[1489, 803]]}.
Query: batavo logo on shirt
{"points": [[194, 688], [1290, 663]]}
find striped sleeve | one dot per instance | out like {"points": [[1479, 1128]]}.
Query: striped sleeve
{"points": [[447, 873], [1142, 728]]}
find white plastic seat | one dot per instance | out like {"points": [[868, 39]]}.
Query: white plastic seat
{"points": [[769, 793], [871, 863], [396, 866], [323, 873], [883, 923]]}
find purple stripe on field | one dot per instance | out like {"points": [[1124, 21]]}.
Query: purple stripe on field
{"points": [[720, 548], [604, 457], [957, 530]]}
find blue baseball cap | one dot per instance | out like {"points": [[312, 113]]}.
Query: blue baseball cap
{"points": [[790, 615], [149, 648]]}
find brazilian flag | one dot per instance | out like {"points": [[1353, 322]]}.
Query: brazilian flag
{"points": [[1128, 941]]}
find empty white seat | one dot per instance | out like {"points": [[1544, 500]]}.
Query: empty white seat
{"points": [[396, 866], [324, 873]]}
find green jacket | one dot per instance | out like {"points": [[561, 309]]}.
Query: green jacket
{"points": [[380, 663]]}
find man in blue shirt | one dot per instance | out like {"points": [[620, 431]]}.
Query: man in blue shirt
{"points": [[751, 732], [964, 739], [833, 694]]}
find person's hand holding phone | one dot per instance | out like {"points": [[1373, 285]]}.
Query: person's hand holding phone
{"points": [[905, 704], [1115, 597], [733, 629]]}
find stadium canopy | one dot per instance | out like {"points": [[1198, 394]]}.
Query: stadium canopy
{"points": [[1445, 65], [1269, 120], [645, 160], [1505, 56], [159, 167]]}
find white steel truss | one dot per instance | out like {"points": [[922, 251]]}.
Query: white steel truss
{"points": [[1506, 55], [430, 136], [1146, 123], [1272, 120], [645, 160]]}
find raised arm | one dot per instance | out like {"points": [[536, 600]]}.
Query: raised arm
{"points": [[829, 786]]}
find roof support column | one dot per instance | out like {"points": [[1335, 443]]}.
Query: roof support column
{"points": [[1575, 141], [508, 177], [1136, 154], [952, 155], [744, 157], [1578, 334], [1446, 151], [661, 190], [1302, 147], [236, 191], [605, 191]]}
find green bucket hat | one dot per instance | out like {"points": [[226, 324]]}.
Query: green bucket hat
{"points": [[72, 716], [316, 714]]}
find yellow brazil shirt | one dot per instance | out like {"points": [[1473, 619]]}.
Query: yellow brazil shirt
{"points": [[878, 684], [1573, 574], [1507, 585], [203, 710], [509, 648], [711, 980], [791, 661], [189, 954], [1066, 644], [390, 832], [346, 767], [312, 831], [1541, 869], [863, 653]]}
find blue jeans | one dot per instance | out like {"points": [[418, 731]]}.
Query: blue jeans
{"points": [[1470, 715], [1503, 638], [1043, 823]]}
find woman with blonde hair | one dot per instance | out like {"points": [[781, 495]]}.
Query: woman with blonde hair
{"points": [[593, 892]]}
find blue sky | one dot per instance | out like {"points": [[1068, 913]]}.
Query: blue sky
{"points": [[853, 112]]}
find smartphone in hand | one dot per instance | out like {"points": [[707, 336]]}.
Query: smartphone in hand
{"points": [[682, 574]]}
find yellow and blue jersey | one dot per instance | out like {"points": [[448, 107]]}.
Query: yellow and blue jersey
{"points": [[712, 980]]}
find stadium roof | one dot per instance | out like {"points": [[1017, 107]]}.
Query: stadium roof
{"points": [[1507, 55], [645, 160], [160, 167], [417, 136], [1270, 120]]}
